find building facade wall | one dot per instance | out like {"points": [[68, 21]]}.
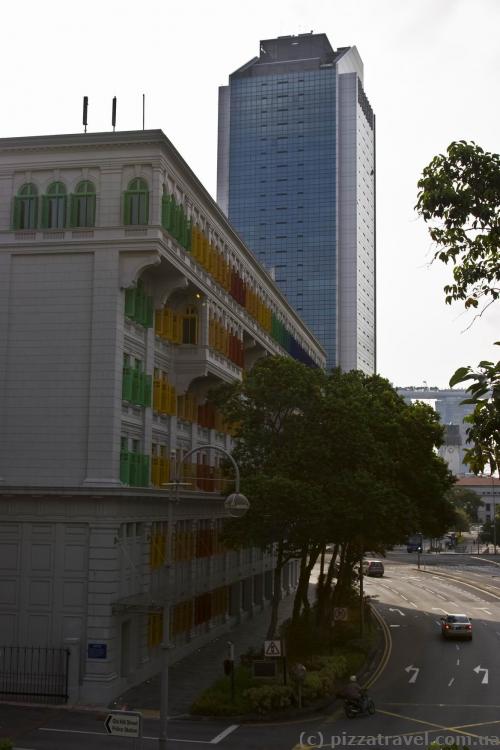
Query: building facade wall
{"points": [[111, 335]]}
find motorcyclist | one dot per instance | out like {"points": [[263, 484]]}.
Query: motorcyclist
{"points": [[354, 693]]}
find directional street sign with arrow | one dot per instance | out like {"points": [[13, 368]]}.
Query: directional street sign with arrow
{"points": [[124, 724], [478, 669], [415, 671]]}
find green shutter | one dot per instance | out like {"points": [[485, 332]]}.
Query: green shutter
{"points": [[140, 304], [136, 395], [146, 208], [45, 211], [126, 207], [125, 467], [16, 214], [144, 470], [127, 384], [65, 211], [91, 210], [130, 297], [73, 210], [189, 236]]}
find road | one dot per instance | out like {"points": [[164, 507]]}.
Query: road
{"points": [[428, 689]]}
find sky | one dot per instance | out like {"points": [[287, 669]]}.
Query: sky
{"points": [[431, 72]]}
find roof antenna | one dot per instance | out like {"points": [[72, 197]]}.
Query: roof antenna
{"points": [[143, 109], [113, 114], [85, 109]]}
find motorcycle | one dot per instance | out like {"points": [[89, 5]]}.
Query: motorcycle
{"points": [[364, 707]]}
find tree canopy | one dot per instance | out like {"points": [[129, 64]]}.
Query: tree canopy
{"points": [[337, 458], [459, 196]]}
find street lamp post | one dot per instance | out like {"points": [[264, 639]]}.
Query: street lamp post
{"points": [[236, 506]]}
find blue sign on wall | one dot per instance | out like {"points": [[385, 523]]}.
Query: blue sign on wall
{"points": [[97, 650]]}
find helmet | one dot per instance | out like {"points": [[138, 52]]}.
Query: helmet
{"points": [[353, 678]]}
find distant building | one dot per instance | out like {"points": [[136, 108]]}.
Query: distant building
{"points": [[488, 489], [125, 295], [448, 404], [296, 177]]}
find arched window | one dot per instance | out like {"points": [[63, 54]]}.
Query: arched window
{"points": [[26, 207], [136, 202], [190, 326], [54, 206], [83, 205]]}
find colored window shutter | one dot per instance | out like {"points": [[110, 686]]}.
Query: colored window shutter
{"points": [[126, 207]]}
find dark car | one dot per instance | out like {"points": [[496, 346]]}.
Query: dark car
{"points": [[373, 568], [456, 626]]}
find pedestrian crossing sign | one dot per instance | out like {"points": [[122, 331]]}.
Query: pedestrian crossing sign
{"points": [[272, 648]]}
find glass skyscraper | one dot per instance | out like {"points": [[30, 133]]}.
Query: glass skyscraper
{"points": [[296, 177]]}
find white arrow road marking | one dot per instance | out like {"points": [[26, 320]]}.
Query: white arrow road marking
{"points": [[451, 681], [478, 669], [415, 671], [391, 609]]}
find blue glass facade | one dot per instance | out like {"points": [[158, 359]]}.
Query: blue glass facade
{"points": [[282, 184]]}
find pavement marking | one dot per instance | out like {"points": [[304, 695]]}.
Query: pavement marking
{"points": [[224, 734], [458, 662], [451, 682], [414, 605], [483, 609], [387, 649], [441, 609], [105, 734], [429, 724], [404, 597], [394, 626]]}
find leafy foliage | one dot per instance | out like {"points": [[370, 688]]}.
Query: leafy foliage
{"points": [[483, 435], [460, 194], [331, 458], [467, 501]]}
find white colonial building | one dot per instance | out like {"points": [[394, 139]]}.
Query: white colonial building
{"points": [[125, 295]]}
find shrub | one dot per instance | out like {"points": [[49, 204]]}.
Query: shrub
{"points": [[269, 698], [6, 744]]}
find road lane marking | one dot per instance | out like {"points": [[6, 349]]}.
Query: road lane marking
{"points": [[404, 597], [451, 681], [483, 609], [394, 626], [478, 669], [457, 646], [430, 724], [413, 605], [387, 649], [105, 734], [415, 671], [224, 734], [458, 662]]}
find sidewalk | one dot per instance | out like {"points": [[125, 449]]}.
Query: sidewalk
{"points": [[191, 675]]}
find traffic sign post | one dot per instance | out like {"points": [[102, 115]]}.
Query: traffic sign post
{"points": [[276, 649], [272, 648], [125, 724]]}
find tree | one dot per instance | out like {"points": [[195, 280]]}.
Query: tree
{"points": [[459, 194], [484, 433], [467, 500], [339, 458], [272, 411]]}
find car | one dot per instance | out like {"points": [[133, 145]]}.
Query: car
{"points": [[456, 626], [373, 568]]}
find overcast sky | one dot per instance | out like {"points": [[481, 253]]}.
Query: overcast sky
{"points": [[431, 74]]}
